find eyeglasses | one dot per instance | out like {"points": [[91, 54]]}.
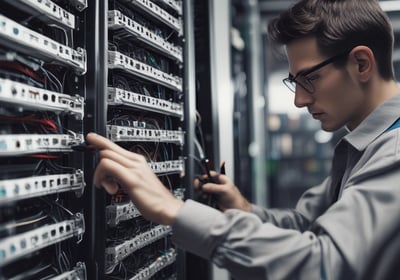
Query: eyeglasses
{"points": [[305, 82]]}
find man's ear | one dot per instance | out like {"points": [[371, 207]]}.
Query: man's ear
{"points": [[364, 62]]}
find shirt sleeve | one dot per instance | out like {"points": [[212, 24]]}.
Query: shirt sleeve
{"points": [[310, 206], [338, 245], [247, 247]]}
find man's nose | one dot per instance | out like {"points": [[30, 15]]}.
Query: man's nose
{"points": [[302, 98]]}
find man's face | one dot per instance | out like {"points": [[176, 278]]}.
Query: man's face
{"points": [[337, 99]]}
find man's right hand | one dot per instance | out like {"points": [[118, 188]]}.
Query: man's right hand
{"points": [[227, 194], [118, 167]]}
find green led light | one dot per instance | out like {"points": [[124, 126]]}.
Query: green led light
{"points": [[3, 192], [15, 30]]}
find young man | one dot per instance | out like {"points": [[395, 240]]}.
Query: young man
{"points": [[340, 68]]}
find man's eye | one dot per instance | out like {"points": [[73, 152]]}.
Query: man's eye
{"points": [[312, 78]]}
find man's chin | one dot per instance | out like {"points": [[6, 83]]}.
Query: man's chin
{"points": [[329, 128]]}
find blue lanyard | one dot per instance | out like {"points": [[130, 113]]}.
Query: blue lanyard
{"points": [[395, 125]]}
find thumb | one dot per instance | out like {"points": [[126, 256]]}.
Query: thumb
{"points": [[106, 174], [212, 188], [110, 185]]}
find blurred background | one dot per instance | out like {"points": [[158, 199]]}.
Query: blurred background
{"points": [[274, 151], [299, 151], [280, 150]]}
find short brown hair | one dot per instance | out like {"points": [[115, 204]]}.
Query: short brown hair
{"points": [[339, 25]]}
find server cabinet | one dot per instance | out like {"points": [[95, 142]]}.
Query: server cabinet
{"points": [[42, 87], [68, 67], [144, 115]]}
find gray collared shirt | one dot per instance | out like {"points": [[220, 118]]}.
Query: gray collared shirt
{"points": [[332, 230]]}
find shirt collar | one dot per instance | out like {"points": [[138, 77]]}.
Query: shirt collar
{"points": [[376, 123]]}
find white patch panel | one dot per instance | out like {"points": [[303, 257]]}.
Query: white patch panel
{"points": [[167, 167], [18, 37], [25, 96], [14, 247], [117, 96], [174, 4], [116, 254], [159, 14], [163, 261], [20, 144], [46, 9], [117, 60], [78, 273], [121, 212], [122, 133], [125, 211], [116, 20], [23, 188], [80, 5]]}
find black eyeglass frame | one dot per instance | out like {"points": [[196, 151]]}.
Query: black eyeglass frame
{"points": [[290, 80]]}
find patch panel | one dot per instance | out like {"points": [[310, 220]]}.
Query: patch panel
{"points": [[161, 262], [117, 60], [21, 144], [118, 212], [168, 167], [114, 255], [29, 97], [173, 4], [47, 11], [78, 273], [117, 20], [16, 36], [159, 14], [23, 188], [14, 247], [117, 96], [122, 133]]}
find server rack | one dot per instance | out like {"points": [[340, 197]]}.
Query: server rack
{"points": [[68, 67], [42, 82], [144, 115]]}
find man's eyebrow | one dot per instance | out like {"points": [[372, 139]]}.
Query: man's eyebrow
{"points": [[301, 72]]}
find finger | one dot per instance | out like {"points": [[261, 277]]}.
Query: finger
{"points": [[101, 142], [120, 159], [213, 188], [108, 174], [222, 178], [110, 185], [196, 183], [202, 177], [213, 173], [199, 180]]}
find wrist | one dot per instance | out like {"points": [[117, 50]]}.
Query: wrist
{"points": [[171, 210], [247, 206]]}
